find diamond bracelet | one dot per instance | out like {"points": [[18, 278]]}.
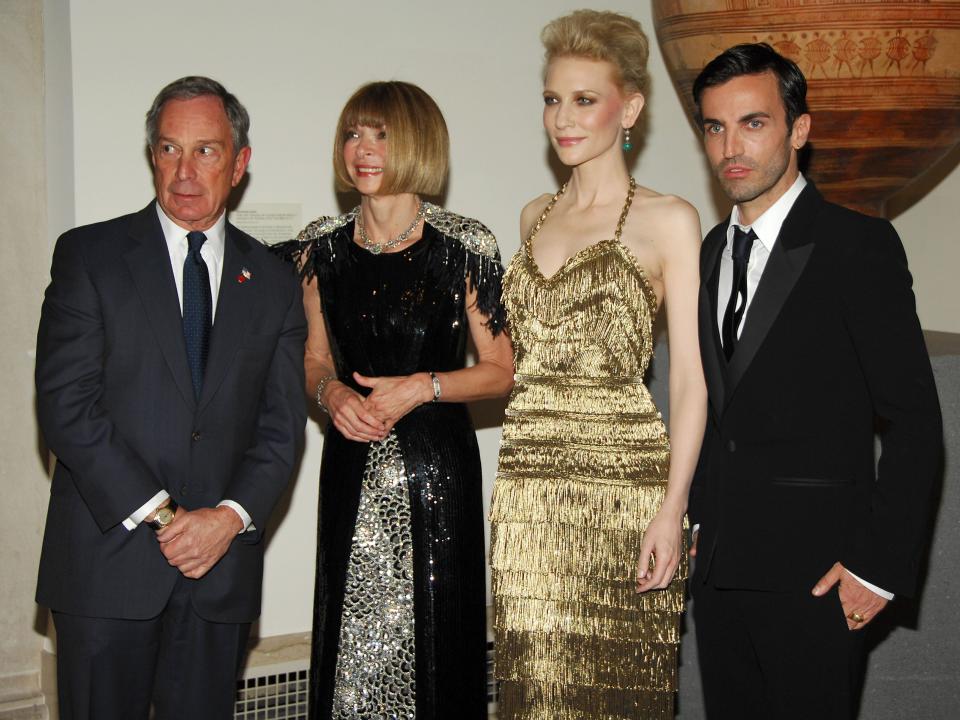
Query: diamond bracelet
{"points": [[321, 386]]}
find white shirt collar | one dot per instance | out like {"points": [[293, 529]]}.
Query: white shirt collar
{"points": [[176, 236], [767, 226]]}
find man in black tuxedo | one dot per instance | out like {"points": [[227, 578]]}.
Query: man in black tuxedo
{"points": [[810, 342], [170, 387]]}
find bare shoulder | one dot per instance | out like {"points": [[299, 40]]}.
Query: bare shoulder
{"points": [[670, 209], [532, 211], [667, 217]]}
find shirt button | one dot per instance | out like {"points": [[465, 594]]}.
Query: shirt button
{"points": [[732, 446], [183, 489], [195, 436]]}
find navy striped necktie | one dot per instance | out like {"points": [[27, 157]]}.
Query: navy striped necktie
{"points": [[197, 309]]}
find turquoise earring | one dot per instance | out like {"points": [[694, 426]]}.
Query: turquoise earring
{"points": [[627, 145]]}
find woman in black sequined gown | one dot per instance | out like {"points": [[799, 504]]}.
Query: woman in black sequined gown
{"points": [[392, 289]]}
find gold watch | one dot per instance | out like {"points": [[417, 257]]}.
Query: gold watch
{"points": [[163, 516]]}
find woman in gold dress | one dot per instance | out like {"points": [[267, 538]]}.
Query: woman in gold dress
{"points": [[587, 543]]}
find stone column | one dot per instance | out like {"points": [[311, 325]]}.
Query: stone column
{"points": [[24, 273]]}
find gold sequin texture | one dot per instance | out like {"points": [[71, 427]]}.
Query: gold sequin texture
{"points": [[583, 470], [375, 675]]}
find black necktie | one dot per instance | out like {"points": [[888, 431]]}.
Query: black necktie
{"points": [[197, 309], [742, 243]]}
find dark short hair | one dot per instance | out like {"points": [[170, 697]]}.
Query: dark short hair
{"points": [[754, 59], [194, 86]]}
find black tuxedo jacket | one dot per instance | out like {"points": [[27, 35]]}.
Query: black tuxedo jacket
{"points": [[831, 350], [116, 406]]}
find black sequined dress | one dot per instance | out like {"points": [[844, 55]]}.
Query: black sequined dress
{"points": [[399, 625]]}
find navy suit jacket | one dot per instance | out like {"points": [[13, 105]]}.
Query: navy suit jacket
{"points": [[116, 406], [830, 351]]}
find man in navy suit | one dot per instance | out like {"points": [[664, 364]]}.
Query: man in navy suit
{"points": [[170, 388], [810, 341]]}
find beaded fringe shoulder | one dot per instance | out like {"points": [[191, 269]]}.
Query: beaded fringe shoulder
{"points": [[316, 251]]}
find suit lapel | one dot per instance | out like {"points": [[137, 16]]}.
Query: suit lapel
{"points": [[149, 264], [233, 310], [711, 351], [787, 260]]}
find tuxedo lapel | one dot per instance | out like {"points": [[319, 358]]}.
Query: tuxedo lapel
{"points": [[149, 264], [710, 348], [234, 305], [787, 260]]}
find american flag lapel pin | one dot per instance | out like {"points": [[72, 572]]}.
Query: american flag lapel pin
{"points": [[244, 276]]}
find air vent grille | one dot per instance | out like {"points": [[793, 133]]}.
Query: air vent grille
{"points": [[273, 693]]}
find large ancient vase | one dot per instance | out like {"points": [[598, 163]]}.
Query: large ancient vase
{"points": [[884, 79]]}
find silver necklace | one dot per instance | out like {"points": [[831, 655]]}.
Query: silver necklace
{"points": [[377, 248]]}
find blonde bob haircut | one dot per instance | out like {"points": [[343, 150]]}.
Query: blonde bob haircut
{"points": [[601, 35], [418, 146]]}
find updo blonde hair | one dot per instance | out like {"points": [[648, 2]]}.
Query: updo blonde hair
{"points": [[601, 35]]}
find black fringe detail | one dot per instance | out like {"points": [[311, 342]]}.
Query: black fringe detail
{"points": [[485, 275], [290, 250], [315, 257], [306, 254]]}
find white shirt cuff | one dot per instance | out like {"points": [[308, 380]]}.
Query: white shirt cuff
{"points": [[238, 509], [148, 507], [872, 588]]}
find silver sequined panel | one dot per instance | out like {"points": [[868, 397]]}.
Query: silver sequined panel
{"points": [[375, 667], [474, 235], [326, 224]]}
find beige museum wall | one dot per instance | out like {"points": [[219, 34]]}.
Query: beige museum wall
{"points": [[293, 63]]}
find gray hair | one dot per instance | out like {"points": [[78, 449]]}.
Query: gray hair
{"points": [[194, 86]]}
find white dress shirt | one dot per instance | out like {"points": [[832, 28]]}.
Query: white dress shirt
{"points": [[212, 253], [767, 228]]}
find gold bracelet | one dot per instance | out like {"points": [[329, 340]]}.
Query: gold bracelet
{"points": [[321, 386]]}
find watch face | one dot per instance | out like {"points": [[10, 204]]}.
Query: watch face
{"points": [[164, 516]]}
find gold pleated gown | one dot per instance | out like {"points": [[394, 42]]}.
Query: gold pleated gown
{"points": [[583, 470]]}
